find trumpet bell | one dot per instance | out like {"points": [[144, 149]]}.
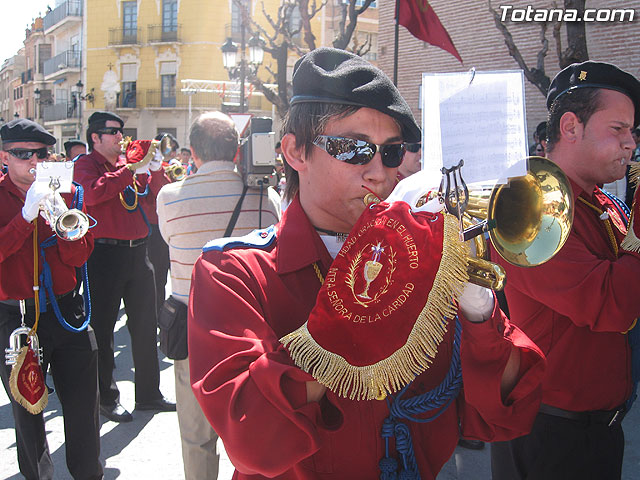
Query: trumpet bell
{"points": [[165, 147], [175, 172], [71, 225], [532, 214]]}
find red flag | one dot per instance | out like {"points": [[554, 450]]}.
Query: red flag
{"points": [[421, 20]]}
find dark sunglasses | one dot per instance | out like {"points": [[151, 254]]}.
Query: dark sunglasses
{"points": [[359, 152], [110, 130], [27, 153], [413, 147]]}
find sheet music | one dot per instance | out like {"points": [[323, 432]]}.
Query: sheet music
{"points": [[478, 117], [62, 171]]}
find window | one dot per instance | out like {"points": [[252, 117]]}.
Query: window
{"points": [[62, 95], [128, 95], [130, 132], [129, 76], [168, 90], [171, 130], [236, 17], [295, 24], [169, 16], [129, 22]]}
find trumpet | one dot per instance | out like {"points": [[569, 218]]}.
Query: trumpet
{"points": [[528, 220], [68, 224], [175, 172]]}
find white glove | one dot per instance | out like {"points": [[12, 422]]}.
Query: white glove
{"points": [[139, 170], [412, 188], [476, 303], [156, 163], [37, 192]]}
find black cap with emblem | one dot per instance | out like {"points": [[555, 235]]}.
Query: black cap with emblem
{"points": [[23, 130], [592, 74], [330, 75]]}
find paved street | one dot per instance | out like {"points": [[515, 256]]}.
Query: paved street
{"points": [[149, 447]]}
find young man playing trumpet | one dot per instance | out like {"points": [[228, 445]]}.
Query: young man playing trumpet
{"points": [[119, 267], [344, 138], [72, 355], [579, 306]]}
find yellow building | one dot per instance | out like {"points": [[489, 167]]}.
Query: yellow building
{"points": [[140, 52]]}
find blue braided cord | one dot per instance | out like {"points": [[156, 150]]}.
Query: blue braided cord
{"points": [[78, 199], [439, 397], [78, 196], [46, 280]]}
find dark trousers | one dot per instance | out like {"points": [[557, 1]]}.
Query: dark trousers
{"points": [[158, 252], [116, 273], [73, 358], [560, 449]]}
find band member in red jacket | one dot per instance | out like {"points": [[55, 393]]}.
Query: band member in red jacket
{"points": [[343, 138], [68, 343]]}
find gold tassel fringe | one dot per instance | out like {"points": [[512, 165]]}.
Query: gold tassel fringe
{"points": [[634, 173], [631, 243], [13, 386], [414, 357]]}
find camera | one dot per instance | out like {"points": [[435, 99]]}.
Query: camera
{"points": [[257, 154]]}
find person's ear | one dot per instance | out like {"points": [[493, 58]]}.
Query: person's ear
{"points": [[571, 127], [293, 154]]}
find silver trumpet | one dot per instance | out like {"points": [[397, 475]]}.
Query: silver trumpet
{"points": [[11, 353], [69, 224]]}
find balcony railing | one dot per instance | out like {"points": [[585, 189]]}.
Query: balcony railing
{"points": [[60, 111], [158, 98], [165, 33], [70, 8], [124, 36], [62, 61]]}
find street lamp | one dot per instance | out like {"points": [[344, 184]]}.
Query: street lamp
{"points": [[239, 70], [229, 51], [256, 50]]}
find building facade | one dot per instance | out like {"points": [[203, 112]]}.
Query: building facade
{"points": [[141, 54], [58, 96]]}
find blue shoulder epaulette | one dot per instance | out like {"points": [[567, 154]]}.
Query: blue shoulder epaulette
{"points": [[256, 239]]}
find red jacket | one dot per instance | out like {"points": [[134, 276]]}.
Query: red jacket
{"points": [[575, 307], [244, 299], [16, 251], [103, 184]]}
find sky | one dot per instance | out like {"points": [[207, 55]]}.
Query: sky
{"points": [[17, 15]]}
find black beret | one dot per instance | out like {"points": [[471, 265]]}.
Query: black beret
{"points": [[72, 143], [104, 117], [595, 75], [330, 75], [23, 130]]}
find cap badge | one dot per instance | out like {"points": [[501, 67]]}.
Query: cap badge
{"points": [[583, 76]]}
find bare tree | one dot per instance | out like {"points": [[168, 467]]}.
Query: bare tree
{"points": [[576, 50], [289, 30]]}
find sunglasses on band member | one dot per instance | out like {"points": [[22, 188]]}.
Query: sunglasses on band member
{"points": [[359, 152], [413, 147], [27, 153], [110, 130]]}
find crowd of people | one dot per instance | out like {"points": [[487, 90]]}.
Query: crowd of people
{"points": [[339, 337]]}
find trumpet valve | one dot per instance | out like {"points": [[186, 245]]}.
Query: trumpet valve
{"points": [[11, 353]]}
